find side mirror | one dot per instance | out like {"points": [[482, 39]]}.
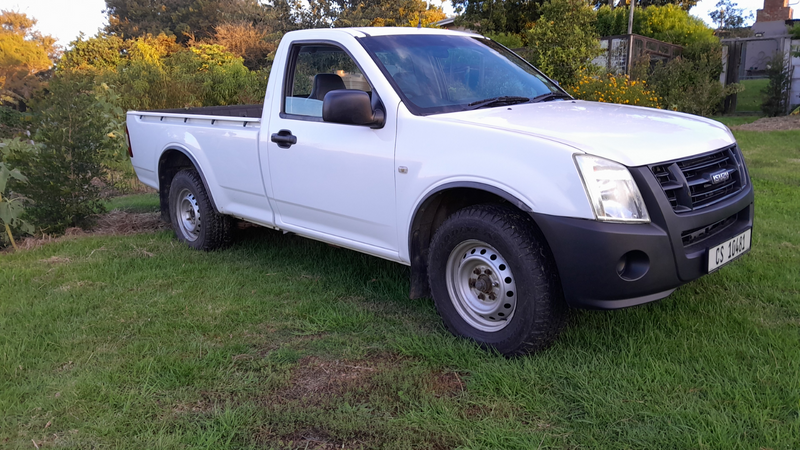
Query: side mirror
{"points": [[351, 107]]}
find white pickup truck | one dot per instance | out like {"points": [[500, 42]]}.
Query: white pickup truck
{"points": [[444, 151]]}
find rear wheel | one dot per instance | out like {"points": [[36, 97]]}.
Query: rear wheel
{"points": [[493, 280], [192, 215]]}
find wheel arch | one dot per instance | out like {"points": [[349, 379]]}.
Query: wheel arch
{"points": [[171, 161], [432, 211]]}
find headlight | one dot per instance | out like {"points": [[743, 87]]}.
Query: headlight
{"points": [[612, 191]]}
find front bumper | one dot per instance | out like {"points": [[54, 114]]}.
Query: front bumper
{"points": [[612, 265]]}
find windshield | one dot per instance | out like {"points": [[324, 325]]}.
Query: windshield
{"points": [[436, 74]]}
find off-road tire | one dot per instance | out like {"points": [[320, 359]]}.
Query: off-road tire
{"points": [[512, 244], [188, 202]]}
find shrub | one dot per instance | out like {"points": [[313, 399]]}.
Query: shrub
{"points": [[11, 207], [13, 123], [612, 88], [690, 83], [776, 94], [563, 42], [509, 40], [62, 167], [795, 31]]}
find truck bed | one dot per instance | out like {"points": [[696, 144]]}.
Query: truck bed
{"points": [[252, 111]]}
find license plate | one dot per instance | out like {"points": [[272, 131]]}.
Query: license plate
{"points": [[728, 251]]}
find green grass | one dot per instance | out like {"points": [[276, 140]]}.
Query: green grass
{"points": [[134, 203], [281, 342], [733, 121], [750, 99]]}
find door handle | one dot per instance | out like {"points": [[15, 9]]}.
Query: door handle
{"points": [[284, 138]]}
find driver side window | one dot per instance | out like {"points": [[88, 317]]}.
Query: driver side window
{"points": [[319, 69]]}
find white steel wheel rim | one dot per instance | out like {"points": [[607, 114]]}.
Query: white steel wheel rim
{"points": [[188, 215], [481, 285]]}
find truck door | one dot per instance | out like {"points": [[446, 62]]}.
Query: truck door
{"points": [[336, 180]]}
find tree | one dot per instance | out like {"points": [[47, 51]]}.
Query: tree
{"points": [[368, 13], [728, 15], [255, 44], [776, 94], [25, 57], [94, 55], [564, 40], [184, 19], [497, 16], [685, 5], [72, 139], [668, 23]]}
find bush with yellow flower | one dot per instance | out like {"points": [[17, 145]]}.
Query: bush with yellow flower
{"points": [[612, 88]]}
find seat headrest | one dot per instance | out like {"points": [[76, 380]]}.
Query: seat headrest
{"points": [[324, 83]]}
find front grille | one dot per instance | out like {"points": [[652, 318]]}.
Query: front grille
{"points": [[700, 181], [699, 234]]}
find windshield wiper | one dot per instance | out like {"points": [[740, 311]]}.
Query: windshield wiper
{"points": [[550, 96], [498, 101]]}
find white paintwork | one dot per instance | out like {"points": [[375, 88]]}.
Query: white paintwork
{"points": [[341, 184], [630, 135]]}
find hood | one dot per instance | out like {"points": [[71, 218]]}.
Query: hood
{"points": [[630, 135]]}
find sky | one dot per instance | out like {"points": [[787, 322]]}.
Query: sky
{"points": [[64, 19]]}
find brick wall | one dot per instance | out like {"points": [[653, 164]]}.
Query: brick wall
{"points": [[774, 10]]}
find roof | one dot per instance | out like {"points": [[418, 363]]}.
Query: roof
{"points": [[387, 31]]}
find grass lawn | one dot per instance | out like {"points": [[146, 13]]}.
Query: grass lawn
{"points": [[733, 121], [135, 203], [281, 342], [750, 99]]}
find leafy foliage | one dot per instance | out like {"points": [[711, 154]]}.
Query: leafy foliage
{"points": [[255, 44], [776, 94], [11, 207], [497, 16], [668, 23], [25, 57], [509, 40], [563, 41], [686, 5], [614, 89], [184, 19], [94, 55], [13, 123], [72, 140], [380, 13], [690, 83], [159, 74]]}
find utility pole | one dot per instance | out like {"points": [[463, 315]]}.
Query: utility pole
{"points": [[630, 17], [629, 59]]}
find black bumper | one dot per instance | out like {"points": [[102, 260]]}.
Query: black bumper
{"points": [[612, 265]]}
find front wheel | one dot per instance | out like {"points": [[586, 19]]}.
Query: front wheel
{"points": [[493, 280], [192, 215]]}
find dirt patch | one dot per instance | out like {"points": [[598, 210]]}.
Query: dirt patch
{"points": [[446, 384], [316, 380], [122, 223], [772, 124], [114, 223]]}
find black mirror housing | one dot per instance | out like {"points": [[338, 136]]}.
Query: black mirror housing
{"points": [[351, 107]]}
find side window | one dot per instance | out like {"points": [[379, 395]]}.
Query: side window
{"points": [[319, 69]]}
